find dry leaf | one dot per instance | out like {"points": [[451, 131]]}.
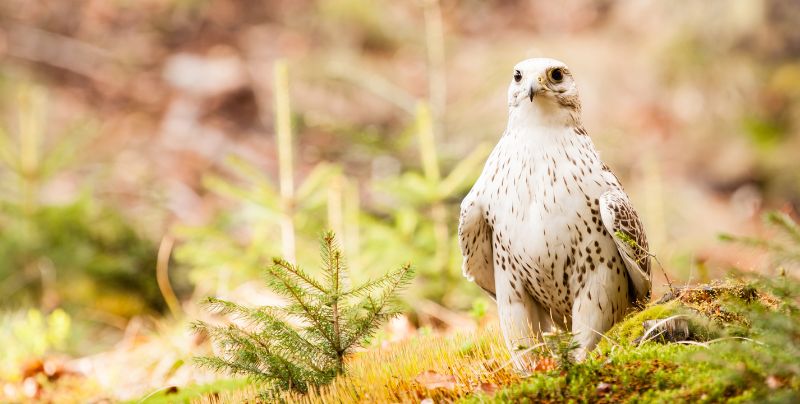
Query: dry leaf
{"points": [[774, 382], [544, 364], [488, 388], [432, 380]]}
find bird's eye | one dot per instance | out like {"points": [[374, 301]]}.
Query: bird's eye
{"points": [[517, 76], [556, 75]]}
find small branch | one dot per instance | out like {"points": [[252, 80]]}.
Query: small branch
{"points": [[283, 129], [336, 264], [663, 271], [377, 85], [627, 239], [437, 79], [162, 275], [34, 44]]}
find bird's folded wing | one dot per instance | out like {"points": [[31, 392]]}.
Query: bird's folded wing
{"points": [[475, 240], [621, 220]]}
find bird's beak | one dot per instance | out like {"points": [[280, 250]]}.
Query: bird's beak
{"points": [[534, 89]]}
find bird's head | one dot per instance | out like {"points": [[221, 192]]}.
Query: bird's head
{"points": [[543, 88]]}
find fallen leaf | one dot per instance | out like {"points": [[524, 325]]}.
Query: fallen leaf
{"points": [[433, 380], [32, 367], [488, 388], [774, 382], [544, 364]]}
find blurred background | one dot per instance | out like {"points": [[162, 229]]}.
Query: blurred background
{"points": [[155, 152]]}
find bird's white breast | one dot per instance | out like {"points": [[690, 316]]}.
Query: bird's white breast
{"points": [[540, 191]]}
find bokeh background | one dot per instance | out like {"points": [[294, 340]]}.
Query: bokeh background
{"points": [[156, 152]]}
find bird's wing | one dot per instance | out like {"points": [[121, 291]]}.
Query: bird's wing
{"points": [[475, 240], [621, 220]]}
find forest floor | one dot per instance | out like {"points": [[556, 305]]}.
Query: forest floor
{"points": [[730, 342]]}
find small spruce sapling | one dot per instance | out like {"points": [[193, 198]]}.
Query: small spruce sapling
{"points": [[334, 319]]}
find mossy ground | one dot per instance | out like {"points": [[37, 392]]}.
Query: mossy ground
{"points": [[188, 394], [651, 373], [474, 367]]}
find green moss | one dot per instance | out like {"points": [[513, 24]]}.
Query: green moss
{"points": [[625, 332], [191, 393], [651, 373], [729, 369]]}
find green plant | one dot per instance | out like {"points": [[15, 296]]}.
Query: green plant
{"points": [[784, 247], [422, 211], [283, 219], [78, 252], [766, 354], [334, 319], [228, 251], [414, 223], [562, 347], [767, 357], [30, 335]]}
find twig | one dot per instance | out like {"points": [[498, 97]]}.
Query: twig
{"points": [[31, 43], [437, 80], [663, 271], [283, 129], [377, 85], [162, 275]]}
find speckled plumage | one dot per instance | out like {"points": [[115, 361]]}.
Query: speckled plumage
{"points": [[538, 228]]}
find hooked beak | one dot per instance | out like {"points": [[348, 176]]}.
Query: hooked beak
{"points": [[534, 89]]}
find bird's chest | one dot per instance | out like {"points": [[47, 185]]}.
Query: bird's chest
{"points": [[536, 199], [544, 212]]}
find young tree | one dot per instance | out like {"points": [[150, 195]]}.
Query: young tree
{"points": [[334, 319]]}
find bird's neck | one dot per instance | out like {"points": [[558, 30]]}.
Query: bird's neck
{"points": [[543, 128], [544, 115]]}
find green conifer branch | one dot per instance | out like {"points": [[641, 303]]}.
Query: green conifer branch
{"points": [[301, 306], [380, 309], [298, 274], [786, 223], [336, 319]]}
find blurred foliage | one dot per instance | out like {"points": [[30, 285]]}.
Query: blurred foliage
{"points": [[241, 239], [78, 253], [30, 335], [783, 247], [410, 220], [421, 209], [769, 358]]}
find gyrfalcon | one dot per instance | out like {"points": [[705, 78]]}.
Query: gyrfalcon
{"points": [[547, 229]]}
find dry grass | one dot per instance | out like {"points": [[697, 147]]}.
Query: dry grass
{"points": [[462, 365], [430, 366]]}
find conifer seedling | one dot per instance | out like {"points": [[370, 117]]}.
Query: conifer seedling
{"points": [[304, 343]]}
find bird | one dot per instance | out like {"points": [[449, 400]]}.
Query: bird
{"points": [[547, 229]]}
